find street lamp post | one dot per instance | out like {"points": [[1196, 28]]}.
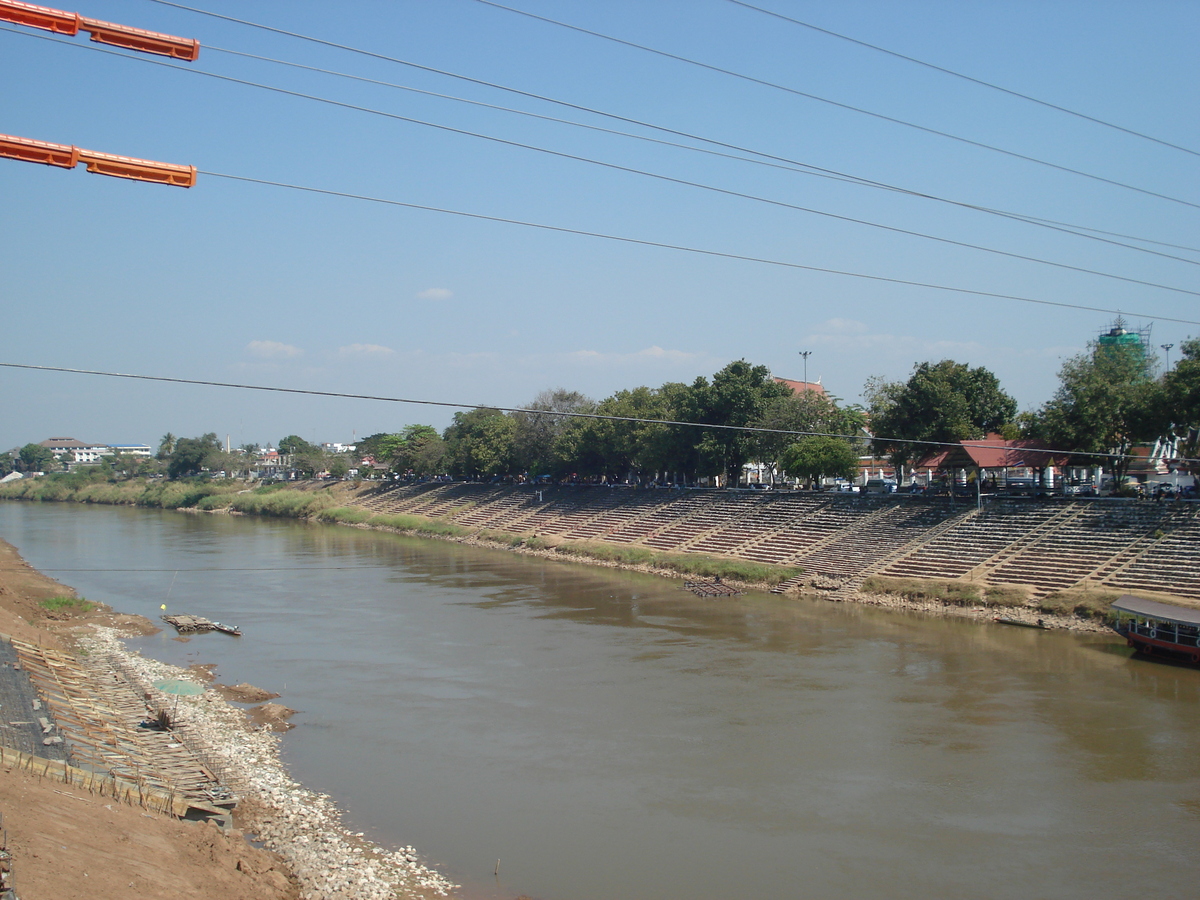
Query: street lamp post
{"points": [[806, 354], [1168, 347]]}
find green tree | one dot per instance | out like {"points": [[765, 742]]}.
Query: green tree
{"points": [[480, 442], [615, 448], [538, 442], [820, 456], [738, 396], [190, 455], [295, 444], [305, 458], [941, 402], [166, 446], [674, 450], [36, 458], [422, 450], [382, 447], [1181, 403], [806, 412], [1105, 403]]}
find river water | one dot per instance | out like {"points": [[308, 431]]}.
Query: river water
{"points": [[606, 734]]}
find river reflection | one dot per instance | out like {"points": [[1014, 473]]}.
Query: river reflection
{"points": [[607, 734]]}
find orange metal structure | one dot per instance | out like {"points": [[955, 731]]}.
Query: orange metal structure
{"points": [[138, 169], [61, 22], [68, 157], [38, 151], [39, 17], [137, 39]]}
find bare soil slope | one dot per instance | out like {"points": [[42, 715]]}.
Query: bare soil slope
{"points": [[66, 842]]}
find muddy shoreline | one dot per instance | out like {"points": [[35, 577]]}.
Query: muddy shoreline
{"points": [[68, 842], [978, 613]]}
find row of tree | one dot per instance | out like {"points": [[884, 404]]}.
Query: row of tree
{"points": [[1107, 400], [681, 431]]}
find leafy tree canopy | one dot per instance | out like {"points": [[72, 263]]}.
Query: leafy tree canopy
{"points": [[480, 442], [1181, 400], [296, 444], [1105, 403], [819, 457], [36, 458], [808, 411], [739, 395], [946, 401], [192, 454], [538, 438]]}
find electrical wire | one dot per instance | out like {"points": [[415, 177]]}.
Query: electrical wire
{"points": [[554, 413], [799, 93], [659, 176], [764, 159], [977, 81], [714, 253], [392, 59]]}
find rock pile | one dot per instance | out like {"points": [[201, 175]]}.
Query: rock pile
{"points": [[300, 825]]}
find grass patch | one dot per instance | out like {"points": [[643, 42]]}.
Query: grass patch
{"points": [[956, 593], [418, 524], [697, 564], [1081, 602], [70, 604], [344, 515], [283, 503]]}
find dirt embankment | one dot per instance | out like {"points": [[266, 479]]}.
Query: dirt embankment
{"points": [[67, 842]]}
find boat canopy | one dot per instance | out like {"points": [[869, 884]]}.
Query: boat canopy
{"points": [[1162, 612]]}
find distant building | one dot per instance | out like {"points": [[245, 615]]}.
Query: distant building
{"points": [[72, 450], [131, 449], [803, 387]]}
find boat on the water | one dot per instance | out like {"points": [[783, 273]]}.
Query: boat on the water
{"points": [[1159, 629]]}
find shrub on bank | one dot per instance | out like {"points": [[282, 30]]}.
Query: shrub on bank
{"points": [[958, 593], [416, 523], [285, 503], [73, 604], [684, 563], [1086, 604]]}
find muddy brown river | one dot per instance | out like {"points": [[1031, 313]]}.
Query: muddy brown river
{"points": [[608, 735]]}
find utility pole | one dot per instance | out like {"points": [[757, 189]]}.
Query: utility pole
{"points": [[1167, 347], [805, 354]]}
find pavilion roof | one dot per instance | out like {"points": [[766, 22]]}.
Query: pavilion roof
{"points": [[994, 452]]}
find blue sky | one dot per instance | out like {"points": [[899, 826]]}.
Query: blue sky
{"points": [[243, 282]]}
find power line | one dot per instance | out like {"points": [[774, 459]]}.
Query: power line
{"points": [[846, 106], [714, 253], [768, 160], [493, 85], [670, 179], [544, 412], [978, 81]]}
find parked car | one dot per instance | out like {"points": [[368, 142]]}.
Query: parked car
{"points": [[881, 486]]}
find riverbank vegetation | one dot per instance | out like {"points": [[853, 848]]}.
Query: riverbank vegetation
{"points": [[331, 505], [1079, 603], [67, 604]]}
